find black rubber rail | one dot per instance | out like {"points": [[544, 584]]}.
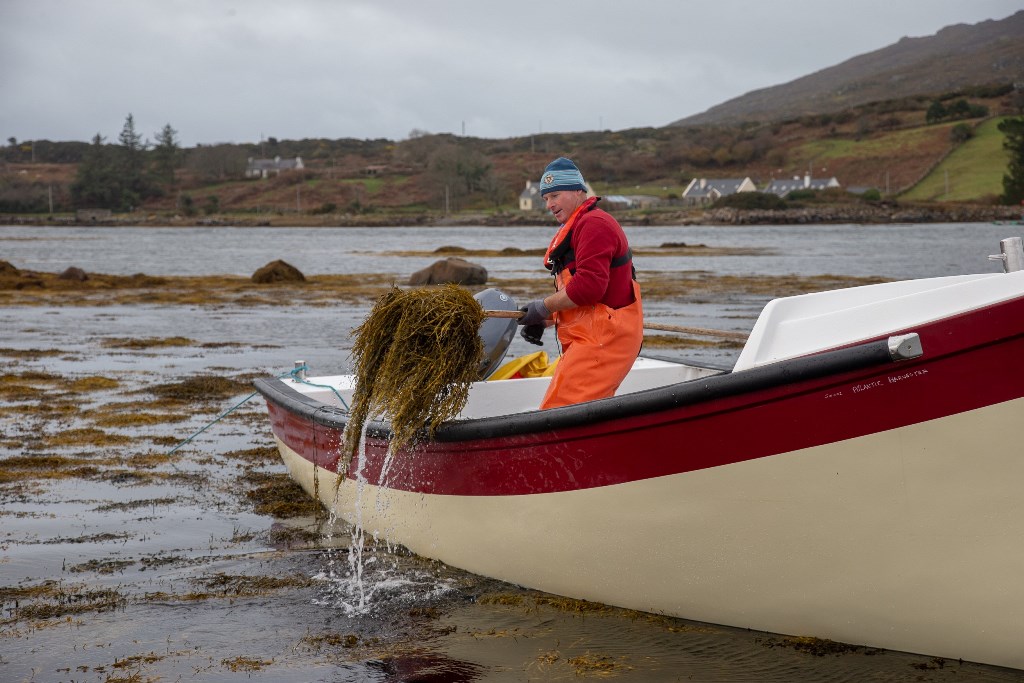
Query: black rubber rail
{"points": [[645, 402]]}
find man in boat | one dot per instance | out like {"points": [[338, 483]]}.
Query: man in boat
{"points": [[596, 307]]}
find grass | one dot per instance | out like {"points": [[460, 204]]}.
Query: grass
{"points": [[371, 185], [891, 160], [662, 189], [973, 171], [881, 146]]}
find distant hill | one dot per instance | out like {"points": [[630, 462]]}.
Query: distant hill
{"points": [[956, 57], [870, 122]]}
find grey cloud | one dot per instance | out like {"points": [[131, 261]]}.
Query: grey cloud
{"points": [[231, 71]]}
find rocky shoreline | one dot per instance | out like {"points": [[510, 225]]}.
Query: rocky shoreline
{"points": [[881, 212]]}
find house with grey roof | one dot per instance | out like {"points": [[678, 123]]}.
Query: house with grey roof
{"points": [[530, 199], [707, 190], [784, 187], [264, 168]]}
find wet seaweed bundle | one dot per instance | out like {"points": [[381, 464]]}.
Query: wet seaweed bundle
{"points": [[415, 356]]}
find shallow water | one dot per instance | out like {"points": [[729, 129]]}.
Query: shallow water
{"points": [[164, 570], [893, 251]]}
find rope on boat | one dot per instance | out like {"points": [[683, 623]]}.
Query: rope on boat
{"points": [[294, 372], [215, 421], [321, 386]]}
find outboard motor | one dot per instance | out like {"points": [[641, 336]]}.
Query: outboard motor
{"points": [[496, 333]]}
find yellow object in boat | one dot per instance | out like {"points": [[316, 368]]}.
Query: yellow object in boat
{"points": [[531, 365]]}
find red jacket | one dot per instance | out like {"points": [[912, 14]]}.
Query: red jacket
{"points": [[595, 241]]}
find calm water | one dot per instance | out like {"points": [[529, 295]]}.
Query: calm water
{"points": [[892, 251], [889, 251], [425, 622]]}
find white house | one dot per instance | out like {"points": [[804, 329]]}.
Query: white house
{"points": [[707, 190], [530, 199], [263, 168], [784, 187]]}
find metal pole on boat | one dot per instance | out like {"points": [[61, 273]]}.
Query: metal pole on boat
{"points": [[1011, 254], [300, 368]]}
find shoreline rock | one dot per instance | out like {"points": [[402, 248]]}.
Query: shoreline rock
{"points": [[882, 212]]}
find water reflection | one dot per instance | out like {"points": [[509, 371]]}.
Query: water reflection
{"points": [[427, 667]]}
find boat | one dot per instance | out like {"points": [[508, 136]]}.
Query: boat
{"points": [[855, 476]]}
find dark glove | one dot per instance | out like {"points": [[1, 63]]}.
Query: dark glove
{"points": [[533, 333], [535, 313]]}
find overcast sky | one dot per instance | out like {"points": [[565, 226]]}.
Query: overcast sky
{"points": [[236, 71]]}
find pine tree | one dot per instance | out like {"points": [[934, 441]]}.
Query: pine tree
{"points": [[131, 166], [166, 155], [96, 184]]}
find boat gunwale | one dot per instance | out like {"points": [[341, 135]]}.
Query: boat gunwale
{"points": [[647, 402]]}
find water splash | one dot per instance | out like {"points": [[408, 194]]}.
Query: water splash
{"points": [[356, 563], [388, 582], [376, 573]]}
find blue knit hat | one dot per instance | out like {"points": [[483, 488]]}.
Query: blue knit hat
{"points": [[561, 174]]}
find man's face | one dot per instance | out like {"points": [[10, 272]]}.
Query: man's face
{"points": [[561, 204]]}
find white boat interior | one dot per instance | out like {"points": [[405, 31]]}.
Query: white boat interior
{"points": [[506, 397], [787, 328], [809, 323]]}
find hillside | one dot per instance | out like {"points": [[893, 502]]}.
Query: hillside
{"points": [[975, 169], [870, 122], [889, 147], [960, 56]]}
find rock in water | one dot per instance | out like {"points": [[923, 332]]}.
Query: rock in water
{"points": [[74, 274], [278, 271], [451, 270]]}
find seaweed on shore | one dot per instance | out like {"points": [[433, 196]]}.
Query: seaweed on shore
{"points": [[56, 599], [202, 388], [279, 496]]}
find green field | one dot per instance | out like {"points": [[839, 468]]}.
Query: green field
{"points": [[882, 146], [973, 171]]}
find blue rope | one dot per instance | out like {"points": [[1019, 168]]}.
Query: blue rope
{"points": [[218, 419], [322, 386], [295, 376]]}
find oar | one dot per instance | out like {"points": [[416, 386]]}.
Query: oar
{"points": [[699, 331]]}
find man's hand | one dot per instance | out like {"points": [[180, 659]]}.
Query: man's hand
{"points": [[534, 313], [533, 334]]}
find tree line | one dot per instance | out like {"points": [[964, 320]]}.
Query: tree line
{"points": [[123, 176], [457, 172]]}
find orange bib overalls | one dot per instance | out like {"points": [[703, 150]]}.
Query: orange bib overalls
{"points": [[599, 344]]}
